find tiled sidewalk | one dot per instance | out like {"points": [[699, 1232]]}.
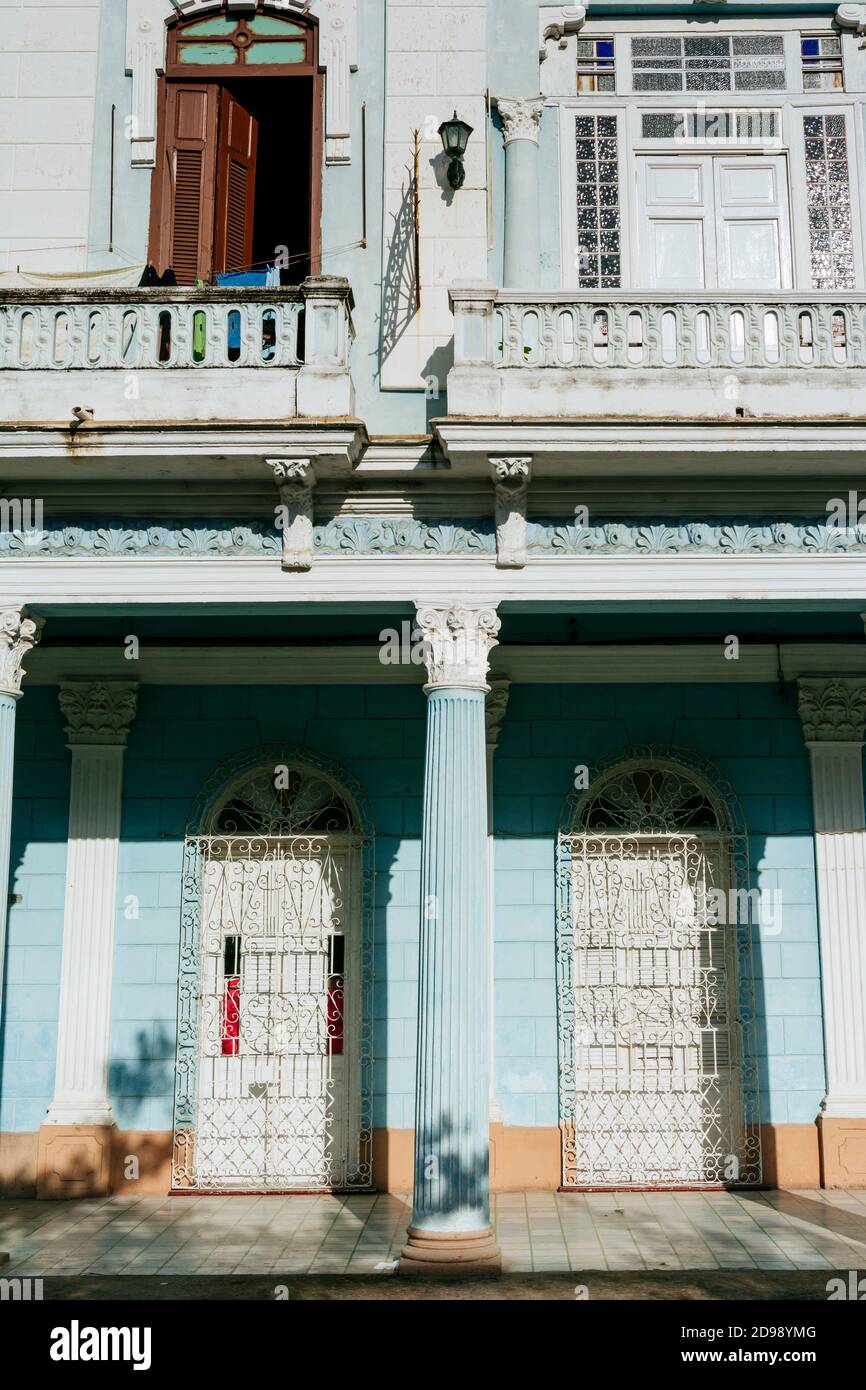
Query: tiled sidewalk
{"points": [[538, 1231]]}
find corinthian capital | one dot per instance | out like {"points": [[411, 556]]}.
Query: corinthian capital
{"points": [[458, 640], [521, 117], [19, 633], [98, 712], [833, 711]]}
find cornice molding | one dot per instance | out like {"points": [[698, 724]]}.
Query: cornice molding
{"points": [[833, 710], [458, 640], [98, 713], [20, 631]]}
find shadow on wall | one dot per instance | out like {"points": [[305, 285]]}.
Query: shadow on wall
{"points": [[400, 283], [152, 1073]]}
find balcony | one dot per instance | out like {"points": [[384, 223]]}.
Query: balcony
{"points": [[544, 372], [216, 354]]}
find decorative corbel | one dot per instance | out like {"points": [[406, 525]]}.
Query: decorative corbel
{"points": [[852, 17], [511, 488], [570, 21], [295, 479]]}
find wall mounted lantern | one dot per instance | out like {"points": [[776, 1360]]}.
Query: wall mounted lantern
{"points": [[455, 137]]}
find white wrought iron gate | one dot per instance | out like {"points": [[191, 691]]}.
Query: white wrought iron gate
{"points": [[651, 1052], [278, 1001]]}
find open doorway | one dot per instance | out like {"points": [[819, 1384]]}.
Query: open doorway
{"points": [[236, 189]]}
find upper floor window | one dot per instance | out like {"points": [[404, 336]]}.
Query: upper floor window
{"points": [[709, 63], [236, 93], [822, 62], [596, 69], [226, 41]]}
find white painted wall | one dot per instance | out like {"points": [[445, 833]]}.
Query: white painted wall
{"points": [[436, 61], [48, 58]]}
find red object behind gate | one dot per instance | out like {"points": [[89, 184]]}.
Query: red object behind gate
{"points": [[230, 1030]]}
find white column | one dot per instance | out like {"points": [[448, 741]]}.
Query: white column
{"points": [[833, 714], [98, 717], [450, 1229], [520, 118]]}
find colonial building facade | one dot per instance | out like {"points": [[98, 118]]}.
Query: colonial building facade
{"points": [[432, 657]]}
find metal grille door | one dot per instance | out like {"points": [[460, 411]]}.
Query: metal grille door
{"points": [[275, 1021], [651, 965]]}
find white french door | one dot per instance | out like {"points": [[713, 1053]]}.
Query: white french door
{"points": [[714, 222]]}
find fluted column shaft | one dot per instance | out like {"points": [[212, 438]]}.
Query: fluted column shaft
{"points": [[451, 1115], [451, 1208]]}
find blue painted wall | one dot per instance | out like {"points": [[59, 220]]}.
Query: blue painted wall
{"points": [[754, 737], [377, 733]]}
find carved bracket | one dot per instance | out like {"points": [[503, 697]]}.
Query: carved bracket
{"points": [[145, 57], [511, 489], [295, 479], [557, 22], [852, 17]]}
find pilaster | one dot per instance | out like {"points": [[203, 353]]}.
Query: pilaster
{"points": [[20, 631], [75, 1140], [833, 712]]}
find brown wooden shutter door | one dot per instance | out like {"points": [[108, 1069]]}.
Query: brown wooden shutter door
{"points": [[236, 186], [183, 228]]}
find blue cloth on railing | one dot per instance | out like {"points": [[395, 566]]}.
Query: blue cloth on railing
{"points": [[268, 276]]}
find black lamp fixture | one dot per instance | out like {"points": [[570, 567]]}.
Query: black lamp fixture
{"points": [[455, 137]]}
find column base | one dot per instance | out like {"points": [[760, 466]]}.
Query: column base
{"points": [[74, 1161], [450, 1254], [843, 1152]]}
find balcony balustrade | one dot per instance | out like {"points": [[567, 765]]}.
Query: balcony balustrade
{"points": [[225, 354], [646, 355]]}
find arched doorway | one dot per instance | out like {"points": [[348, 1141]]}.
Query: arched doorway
{"points": [[273, 1085], [658, 1082]]}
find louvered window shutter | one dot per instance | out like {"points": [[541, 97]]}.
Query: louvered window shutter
{"points": [[184, 234], [236, 181]]}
